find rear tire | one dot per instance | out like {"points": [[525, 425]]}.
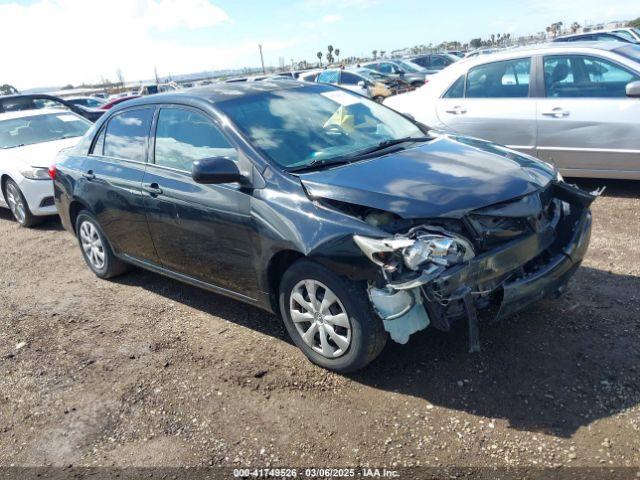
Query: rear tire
{"points": [[18, 205], [95, 247], [339, 311]]}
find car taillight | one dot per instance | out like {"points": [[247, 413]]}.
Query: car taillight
{"points": [[52, 172]]}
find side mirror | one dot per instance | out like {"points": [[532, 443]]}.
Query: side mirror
{"points": [[633, 89], [217, 170], [400, 72], [362, 84]]}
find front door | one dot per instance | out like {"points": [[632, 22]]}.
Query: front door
{"points": [[202, 231], [586, 121], [112, 177], [492, 102]]}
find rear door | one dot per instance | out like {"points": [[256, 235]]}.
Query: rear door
{"points": [[202, 231], [585, 121], [112, 180], [492, 102]]}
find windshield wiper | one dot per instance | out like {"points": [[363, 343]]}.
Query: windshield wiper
{"points": [[316, 165], [13, 146], [386, 144]]}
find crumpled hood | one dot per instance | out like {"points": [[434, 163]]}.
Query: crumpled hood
{"points": [[38, 154], [446, 177]]}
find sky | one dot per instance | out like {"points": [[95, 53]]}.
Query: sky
{"points": [[57, 42]]}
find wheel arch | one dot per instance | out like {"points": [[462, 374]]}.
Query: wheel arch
{"points": [[3, 182], [75, 207], [278, 264]]}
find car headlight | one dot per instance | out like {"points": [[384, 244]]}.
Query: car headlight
{"points": [[381, 250], [36, 173], [422, 247]]}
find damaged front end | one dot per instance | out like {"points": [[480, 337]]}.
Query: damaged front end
{"points": [[496, 259]]}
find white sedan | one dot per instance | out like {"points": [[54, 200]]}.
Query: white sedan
{"points": [[575, 105], [29, 142]]}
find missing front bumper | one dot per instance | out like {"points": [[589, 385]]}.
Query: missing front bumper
{"points": [[510, 277]]}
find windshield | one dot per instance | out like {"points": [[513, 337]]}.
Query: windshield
{"points": [[409, 67], [17, 132], [297, 126], [626, 34], [630, 51], [372, 75]]}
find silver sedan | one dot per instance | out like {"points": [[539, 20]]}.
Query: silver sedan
{"points": [[576, 106]]}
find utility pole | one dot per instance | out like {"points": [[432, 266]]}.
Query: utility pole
{"points": [[261, 58]]}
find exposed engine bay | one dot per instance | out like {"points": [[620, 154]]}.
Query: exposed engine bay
{"points": [[494, 260]]}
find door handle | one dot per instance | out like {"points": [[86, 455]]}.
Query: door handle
{"points": [[152, 188], [556, 113], [89, 175], [457, 110]]}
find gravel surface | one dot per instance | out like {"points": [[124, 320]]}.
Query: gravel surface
{"points": [[145, 371]]}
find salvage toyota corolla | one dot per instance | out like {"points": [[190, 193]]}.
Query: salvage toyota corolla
{"points": [[345, 218]]}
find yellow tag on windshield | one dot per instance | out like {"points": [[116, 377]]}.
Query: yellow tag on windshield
{"points": [[342, 119]]}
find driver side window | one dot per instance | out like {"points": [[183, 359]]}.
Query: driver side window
{"points": [[350, 79], [579, 76], [184, 136]]}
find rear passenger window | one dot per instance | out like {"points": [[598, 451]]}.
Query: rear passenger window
{"points": [[329, 76], [184, 136], [508, 79], [126, 135], [456, 90]]}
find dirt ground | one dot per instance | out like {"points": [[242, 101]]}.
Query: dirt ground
{"points": [[145, 371]]}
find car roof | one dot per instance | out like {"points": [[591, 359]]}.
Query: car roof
{"points": [[217, 93], [587, 34], [506, 54], [380, 60], [32, 113]]}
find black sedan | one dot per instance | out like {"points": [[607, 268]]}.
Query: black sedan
{"points": [[328, 209]]}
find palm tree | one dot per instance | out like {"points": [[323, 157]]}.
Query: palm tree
{"points": [[375, 54], [337, 50], [382, 52], [575, 26], [319, 55]]}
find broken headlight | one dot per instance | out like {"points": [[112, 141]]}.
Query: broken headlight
{"points": [[419, 246]]}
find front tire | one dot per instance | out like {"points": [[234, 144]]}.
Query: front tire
{"points": [[18, 205], [330, 318], [96, 249]]}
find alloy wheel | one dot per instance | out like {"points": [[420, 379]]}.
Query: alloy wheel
{"points": [[16, 204], [320, 318], [92, 245]]}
